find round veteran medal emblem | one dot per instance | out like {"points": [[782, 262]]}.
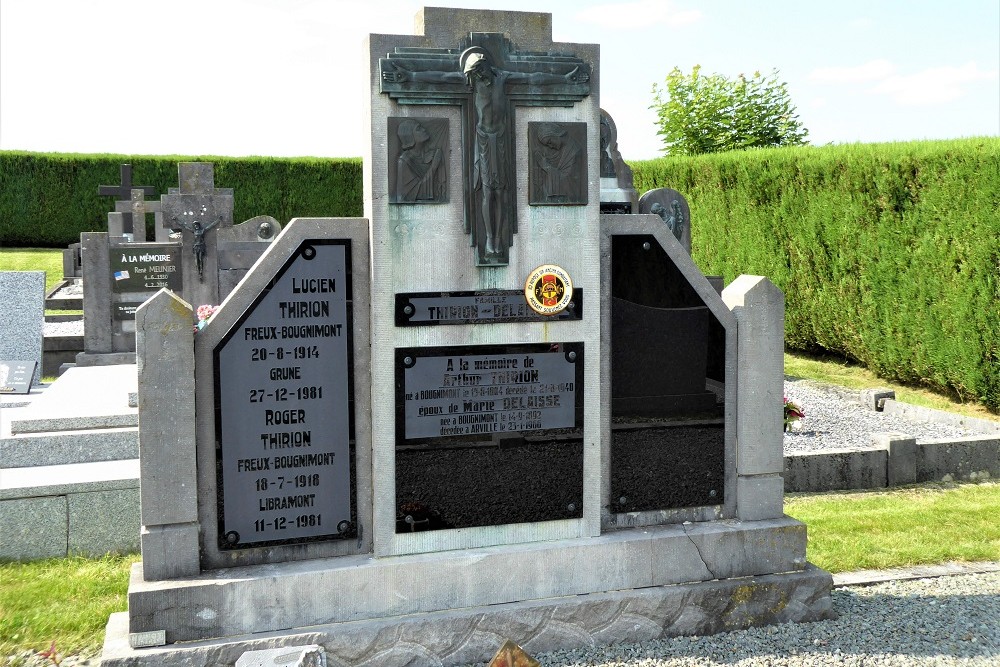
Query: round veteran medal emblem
{"points": [[548, 289]]}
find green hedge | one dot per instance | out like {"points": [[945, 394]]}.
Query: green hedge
{"points": [[887, 253], [47, 199]]}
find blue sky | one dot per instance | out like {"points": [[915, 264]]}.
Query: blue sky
{"points": [[286, 77]]}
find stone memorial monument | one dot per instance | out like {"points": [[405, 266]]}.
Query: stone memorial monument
{"points": [[404, 439], [22, 314], [197, 253]]}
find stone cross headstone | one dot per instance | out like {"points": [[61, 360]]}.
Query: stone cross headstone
{"points": [[199, 211], [137, 208], [488, 77], [468, 430], [126, 193], [22, 317]]}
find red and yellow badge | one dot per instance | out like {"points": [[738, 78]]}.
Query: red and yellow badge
{"points": [[548, 289]]}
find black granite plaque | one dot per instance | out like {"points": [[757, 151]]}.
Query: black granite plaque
{"points": [[125, 310], [480, 307], [667, 385], [15, 376], [488, 435], [146, 267], [283, 376]]}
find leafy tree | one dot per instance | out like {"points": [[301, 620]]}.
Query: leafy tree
{"points": [[710, 114]]}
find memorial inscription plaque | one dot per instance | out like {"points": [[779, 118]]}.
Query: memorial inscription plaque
{"points": [[283, 418], [146, 267], [488, 435], [476, 390], [475, 307], [15, 376]]}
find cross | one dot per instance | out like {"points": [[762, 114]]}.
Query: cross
{"points": [[487, 78], [124, 193], [137, 208]]}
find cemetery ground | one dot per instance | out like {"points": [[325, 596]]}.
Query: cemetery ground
{"points": [[68, 600]]}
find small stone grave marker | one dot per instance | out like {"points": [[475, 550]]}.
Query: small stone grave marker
{"points": [[15, 376]]}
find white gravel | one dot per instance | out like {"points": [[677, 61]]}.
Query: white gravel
{"points": [[951, 620], [836, 419]]}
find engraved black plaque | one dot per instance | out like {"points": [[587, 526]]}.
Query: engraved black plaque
{"points": [[488, 435], [477, 390], [125, 310], [15, 376], [283, 376], [480, 307], [145, 267]]}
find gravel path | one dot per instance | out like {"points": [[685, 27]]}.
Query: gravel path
{"points": [[835, 419], [952, 620]]}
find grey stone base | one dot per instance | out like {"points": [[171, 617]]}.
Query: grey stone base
{"points": [[105, 359], [264, 598], [474, 634]]}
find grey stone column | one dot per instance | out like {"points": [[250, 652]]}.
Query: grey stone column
{"points": [[168, 483], [95, 259], [759, 308]]}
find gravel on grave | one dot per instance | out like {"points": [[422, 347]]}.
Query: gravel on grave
{"points": [[950, 620], [70, 328], [836, 419]]}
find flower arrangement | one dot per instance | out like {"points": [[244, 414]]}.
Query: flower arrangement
{"points": [[204, 314], [793, 413]]}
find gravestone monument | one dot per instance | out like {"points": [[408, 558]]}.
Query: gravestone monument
{"points": [[363, 447], [128, 220], [198, 253], [617, 190], [22, 316], [672, 208]]}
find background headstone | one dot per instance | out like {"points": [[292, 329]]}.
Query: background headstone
{"points": [[22, 317], [673, 209], [618, 193], [200, 212]]}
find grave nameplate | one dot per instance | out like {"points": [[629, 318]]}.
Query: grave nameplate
{"points": [[15, 376], [283, 376], [125, 310], [476, 390], [478, 307], [145, 268]]}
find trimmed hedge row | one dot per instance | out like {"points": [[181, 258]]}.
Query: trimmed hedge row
{"points": [[47, 199], [888, 254]]}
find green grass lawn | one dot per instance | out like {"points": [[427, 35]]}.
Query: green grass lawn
{"points": [[68, 600], [48, 260], [894, 528]]}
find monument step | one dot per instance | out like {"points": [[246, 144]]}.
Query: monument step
{"points": [[213, 604], [82, 398], [66, 447], [472, 635]]}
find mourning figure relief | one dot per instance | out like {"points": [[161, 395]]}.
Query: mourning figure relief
{"points": [[418, 171], [558, 173]]}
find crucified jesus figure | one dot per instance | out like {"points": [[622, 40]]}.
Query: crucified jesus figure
{"points": [[197, 230], [493, 152]]}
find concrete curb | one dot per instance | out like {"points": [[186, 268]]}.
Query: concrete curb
{"points": [[871, 577]]}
